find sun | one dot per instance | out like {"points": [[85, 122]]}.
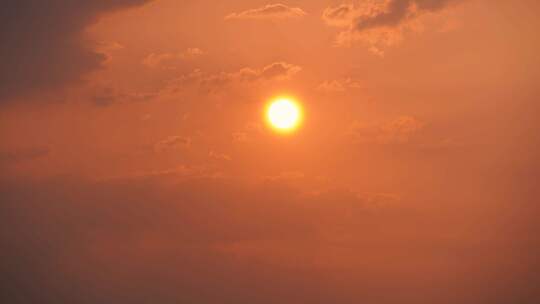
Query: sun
{"points": [[284, 114]]}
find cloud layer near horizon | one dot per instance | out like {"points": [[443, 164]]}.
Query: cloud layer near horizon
{"points": [[185, 237]]}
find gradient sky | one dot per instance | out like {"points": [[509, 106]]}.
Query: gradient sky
{"points": [[136, 166]]}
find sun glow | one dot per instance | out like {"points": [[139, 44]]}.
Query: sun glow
{"points": [[284, 114]]}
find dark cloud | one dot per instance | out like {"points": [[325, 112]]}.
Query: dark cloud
{"points": [[270, 11], [398, 11], [43, 46], [379, 24]]}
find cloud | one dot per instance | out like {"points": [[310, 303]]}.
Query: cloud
{"points": [[168, 60], [107, 49], [341, 85], [276, 70], [212, 82], [397, 12], [219, 156], [107, 96], [339, 16], [172, 143], [379, 24], [398, 131], [270, 11], [192, 52], [43, 45]]}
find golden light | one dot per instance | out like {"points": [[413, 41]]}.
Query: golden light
{"points": [[284, 114]]}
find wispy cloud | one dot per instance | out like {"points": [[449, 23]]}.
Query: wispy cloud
{"points": [[398, 131], [270, 11], [339, 85], [172, 143], [169, 60], [211, 82], [108, 96]]}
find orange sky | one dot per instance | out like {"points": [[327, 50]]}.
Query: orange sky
{"points": [[136, 165]]}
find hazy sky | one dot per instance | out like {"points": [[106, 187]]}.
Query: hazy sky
{"points": [[136, 165]]}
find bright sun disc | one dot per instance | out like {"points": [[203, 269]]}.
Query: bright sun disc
{"points": [[284, 114]]}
